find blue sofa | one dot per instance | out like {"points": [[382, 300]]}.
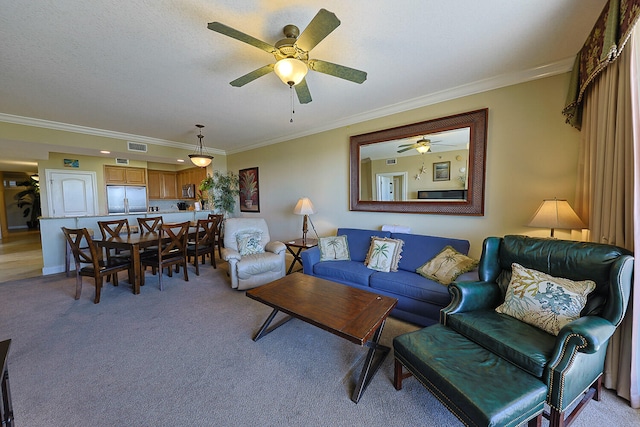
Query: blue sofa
{"points": [[419, 299]]}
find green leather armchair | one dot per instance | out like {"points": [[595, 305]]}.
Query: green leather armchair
{"points": [[571, 363]]}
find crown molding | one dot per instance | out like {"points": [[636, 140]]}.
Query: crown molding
{"points": [[497, 82], [66, 127]]}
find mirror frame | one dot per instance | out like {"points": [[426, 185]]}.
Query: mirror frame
{"points": [[473, 205]]}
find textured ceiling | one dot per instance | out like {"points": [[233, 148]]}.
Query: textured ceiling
{"points": [[152, 68]]}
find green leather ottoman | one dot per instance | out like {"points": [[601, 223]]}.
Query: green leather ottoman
{"points": [[477, 386]]}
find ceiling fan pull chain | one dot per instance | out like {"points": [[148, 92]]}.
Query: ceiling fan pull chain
{"points": [[291, 96]]}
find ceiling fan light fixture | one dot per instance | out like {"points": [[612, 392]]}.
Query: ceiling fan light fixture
{"points": [[200, 158], [423, 149], [290, 70]]}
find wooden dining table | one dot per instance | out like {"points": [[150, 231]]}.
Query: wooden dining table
{"points": [[133, 243]]}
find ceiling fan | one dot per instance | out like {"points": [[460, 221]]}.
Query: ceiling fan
{"points": [[423, 145], [292, 54]]}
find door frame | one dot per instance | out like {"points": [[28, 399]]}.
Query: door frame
{"points": [[404, 184]]}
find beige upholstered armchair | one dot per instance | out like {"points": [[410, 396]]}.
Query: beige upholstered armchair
{"points": [[253, 259]]}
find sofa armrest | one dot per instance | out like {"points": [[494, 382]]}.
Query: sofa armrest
{"points": [[471, 296], [577, 359], [310, 257], [229, 254], [275, 247], [586, 334]]}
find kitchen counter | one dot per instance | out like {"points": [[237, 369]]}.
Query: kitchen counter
{"points": [[53, 240]]}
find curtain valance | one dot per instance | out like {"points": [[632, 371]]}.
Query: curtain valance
{"points": [[604, 44]]}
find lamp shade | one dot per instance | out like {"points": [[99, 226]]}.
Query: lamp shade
{"points": [[423, 149], [290, 70], [556, 213], [304, 207]]}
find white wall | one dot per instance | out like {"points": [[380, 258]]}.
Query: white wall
{"points": [[531, 155]]}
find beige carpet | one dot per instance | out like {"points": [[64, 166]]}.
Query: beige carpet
{"points": [[184, 357]]}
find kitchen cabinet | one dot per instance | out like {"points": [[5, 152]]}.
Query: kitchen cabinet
{"points": [[162, 185], [124, 176], [191, 176]]}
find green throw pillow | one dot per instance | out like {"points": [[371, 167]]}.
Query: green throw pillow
{"points": [[334, 248], [384, 254], [250, 243], [445, 267], [542, 300]]}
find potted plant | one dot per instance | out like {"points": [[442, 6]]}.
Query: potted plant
{"points": [[29, 200], [222, 190]]}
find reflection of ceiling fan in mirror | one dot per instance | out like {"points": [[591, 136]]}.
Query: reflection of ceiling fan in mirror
{"points": [[292, 54], [423, 145]]}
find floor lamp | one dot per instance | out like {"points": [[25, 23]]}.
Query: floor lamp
{"points": [[304, 207]]}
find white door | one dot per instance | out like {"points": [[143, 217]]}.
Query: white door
{"points": [[385, 188], [71, 193]]}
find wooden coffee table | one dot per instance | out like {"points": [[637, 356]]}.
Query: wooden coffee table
{"points": [[353, 314]]}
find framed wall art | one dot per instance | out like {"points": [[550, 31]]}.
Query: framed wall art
{"points": [[442, 171], [249, 190]]}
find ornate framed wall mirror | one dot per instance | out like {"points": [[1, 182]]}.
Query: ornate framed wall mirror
{"points": [[436, 167]]}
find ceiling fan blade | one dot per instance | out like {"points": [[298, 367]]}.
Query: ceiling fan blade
{"points": [[405, 149], [239, 35], [320, 27], [249, 77], [302, 90], [336, 70]]}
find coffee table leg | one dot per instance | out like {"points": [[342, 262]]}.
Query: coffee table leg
{"points": [[263, 329], [371, 363]]}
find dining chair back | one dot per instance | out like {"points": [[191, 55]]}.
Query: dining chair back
{"points": [[204, 243], [114, 228], [149, 224], [171, 251], [89, 261], [219, 218]]}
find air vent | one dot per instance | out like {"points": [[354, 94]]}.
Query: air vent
{"points": [[122, 161], [137, 146], [391, 162]]}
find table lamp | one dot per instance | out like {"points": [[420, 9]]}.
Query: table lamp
{"points": [[556, 213], [304, 207]]}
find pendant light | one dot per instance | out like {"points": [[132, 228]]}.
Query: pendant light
{"points": [[200, 158]]}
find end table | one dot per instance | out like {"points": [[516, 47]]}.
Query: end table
{"points": [[295, 247]]}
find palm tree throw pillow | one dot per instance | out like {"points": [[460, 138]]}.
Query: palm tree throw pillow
{"points": [[384, 254], [542, 300], [334, 248], [445, 267]]}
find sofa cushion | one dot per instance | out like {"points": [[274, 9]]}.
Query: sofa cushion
{"points": [[445, 267], [249, 243], [334, 248], [411, 285], [360, 240], [384, 254], [542, 300], [419, 249], [523, 345], [344, 271]]}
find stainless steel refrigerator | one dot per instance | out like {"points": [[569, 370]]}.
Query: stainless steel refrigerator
{"points": [[124, 199]]}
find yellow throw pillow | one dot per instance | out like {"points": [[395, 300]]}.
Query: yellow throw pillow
{"points": [[445, 267], [384, 254], [542, 300]]}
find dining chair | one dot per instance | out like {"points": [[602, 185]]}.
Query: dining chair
{"points": [[90, 262], [68, 254], [149, 224], [219, 240], [115, 228], [204, 243], [171, 251]]}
